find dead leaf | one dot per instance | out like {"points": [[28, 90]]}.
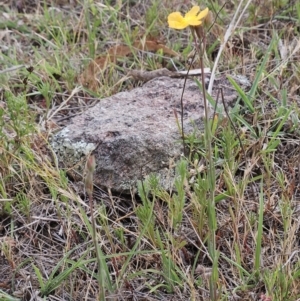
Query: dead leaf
{"points": [[89, 77]]}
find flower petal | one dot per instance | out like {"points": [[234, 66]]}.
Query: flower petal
{"points": [[194, 21], [177, 21], [203, 14], [192, 13]]}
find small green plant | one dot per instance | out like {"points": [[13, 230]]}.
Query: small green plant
{"points": [[60, 273], [20, 121], [23, 203], [145, 210], [169, 268], [178, 200]]}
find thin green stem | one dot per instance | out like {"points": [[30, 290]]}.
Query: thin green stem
{"points": [[198, 32]]}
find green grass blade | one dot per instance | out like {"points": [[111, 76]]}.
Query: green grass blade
{"points": [[246, 99], [261, 69], [257, 259]]}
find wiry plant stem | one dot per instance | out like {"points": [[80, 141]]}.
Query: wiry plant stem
{"points": [[198, 32], [90, 168]]}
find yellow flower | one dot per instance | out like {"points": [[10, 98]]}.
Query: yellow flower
{"points": [[192, 18]]}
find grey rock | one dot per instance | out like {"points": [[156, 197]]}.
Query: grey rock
{"points": [[135, 133]]}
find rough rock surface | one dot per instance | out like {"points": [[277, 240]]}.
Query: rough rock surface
{"points": [[135, 133]]}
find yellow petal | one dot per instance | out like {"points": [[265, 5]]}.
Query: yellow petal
{"points": [[194, 21], [192, 13], [177, 21], [194, 18], [203, 14]]}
